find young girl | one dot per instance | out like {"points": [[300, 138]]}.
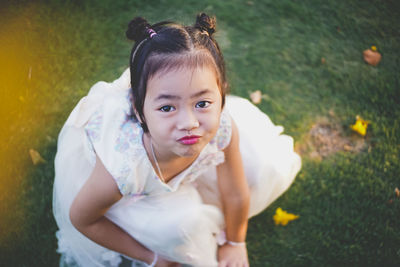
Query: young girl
{"points": [[159, 166]]}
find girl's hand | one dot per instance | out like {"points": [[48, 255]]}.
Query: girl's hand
{"points": [[232, 256]]}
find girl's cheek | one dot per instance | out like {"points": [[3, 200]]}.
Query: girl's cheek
{"points": [[214, 123]]}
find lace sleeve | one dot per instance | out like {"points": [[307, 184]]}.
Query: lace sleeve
{"points": [[113, 136], [224, 133]]}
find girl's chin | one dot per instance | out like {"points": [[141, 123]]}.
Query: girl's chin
{"points": [[190, 150], [189, 153]]}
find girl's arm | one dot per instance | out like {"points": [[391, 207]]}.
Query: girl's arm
{"points": [[235, 198], [87, 211]]}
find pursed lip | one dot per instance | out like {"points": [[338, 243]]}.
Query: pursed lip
{"points": [[189, 139]]}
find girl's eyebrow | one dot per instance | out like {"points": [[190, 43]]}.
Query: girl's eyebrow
{"points": [[165, 96], [202, 92], [169, 97]]}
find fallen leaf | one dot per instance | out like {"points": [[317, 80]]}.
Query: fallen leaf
{"points": [[36, 158], [360, 126], [283, 218], [323, 60], [347, 148], [256, 97], [372, 57], [397, 191]]}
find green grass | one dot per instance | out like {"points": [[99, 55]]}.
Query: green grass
{"points": [[349, 214]]}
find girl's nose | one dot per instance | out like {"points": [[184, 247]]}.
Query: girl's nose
{"points": [[187, 120]]}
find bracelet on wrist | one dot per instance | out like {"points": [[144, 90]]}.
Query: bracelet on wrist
{"points": [[154, 260], [236, 244]]}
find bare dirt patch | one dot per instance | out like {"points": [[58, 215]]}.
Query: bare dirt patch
{"points": [[327, 136]]}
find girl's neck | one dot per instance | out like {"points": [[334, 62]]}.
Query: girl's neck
{"points": [[170, 165]]}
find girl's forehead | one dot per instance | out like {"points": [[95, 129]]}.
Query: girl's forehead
{"points": [[184, 75], [183, 72], [183, 81]]}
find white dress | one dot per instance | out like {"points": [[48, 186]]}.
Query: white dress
{"points": [[181, 220]]}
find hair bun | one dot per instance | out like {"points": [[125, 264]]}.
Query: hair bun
{"points": [[206, 23], [137, 29]]}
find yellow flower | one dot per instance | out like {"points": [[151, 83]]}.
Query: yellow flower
{"points": [[282, 217], [373, 48], [360, 126]]}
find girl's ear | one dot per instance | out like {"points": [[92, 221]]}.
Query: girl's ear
{"points": [[136, 114], [138, 118]]}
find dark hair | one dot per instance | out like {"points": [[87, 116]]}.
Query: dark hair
{"points": [[172, 47]]}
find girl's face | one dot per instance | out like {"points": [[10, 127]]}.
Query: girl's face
{"points": [[182, 110]]}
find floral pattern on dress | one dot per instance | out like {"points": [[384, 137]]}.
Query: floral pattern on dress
{"points": [[223, 136], [123, 173], [93, 127], [136, 196], [204, 162], [128, 136]]}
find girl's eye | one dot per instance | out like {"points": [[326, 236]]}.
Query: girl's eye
{"points": [[167, 108], [203, 104]]}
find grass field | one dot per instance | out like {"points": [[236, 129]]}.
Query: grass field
{"points": [[305, 57]]}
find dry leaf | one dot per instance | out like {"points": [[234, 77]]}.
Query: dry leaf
{"points": [[35, 156], [397, 191], [372, 57], [256, 97], [323, 60], [347, 148]]}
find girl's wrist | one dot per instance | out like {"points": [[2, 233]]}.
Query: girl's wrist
{"points": [[150, 258], [155, 259], [236, 244]]}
